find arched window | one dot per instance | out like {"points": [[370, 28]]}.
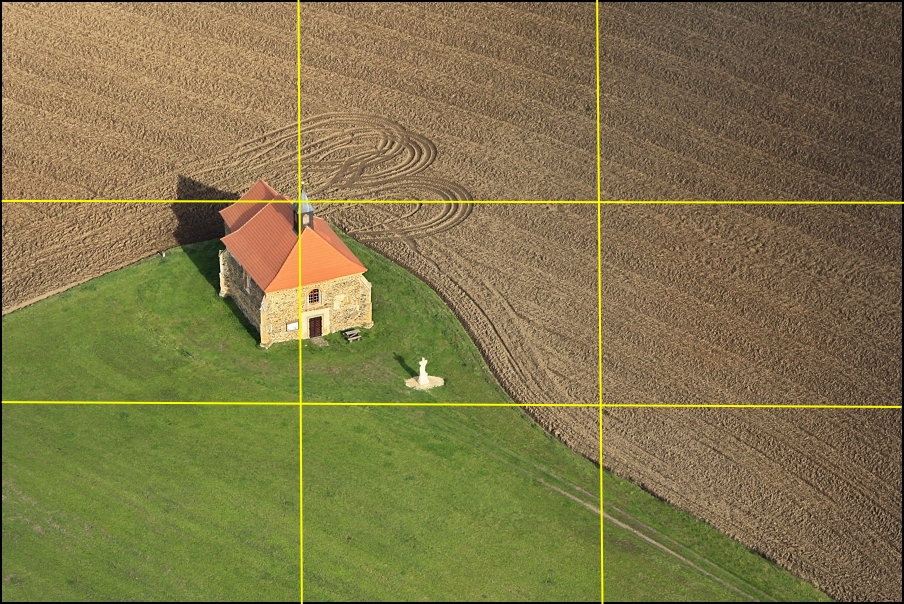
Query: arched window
{"points": [[314, 296]]}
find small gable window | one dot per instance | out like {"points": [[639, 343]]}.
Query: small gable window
{"points": [[314, 297]]}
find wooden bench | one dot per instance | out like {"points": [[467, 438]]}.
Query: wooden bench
{"points": [[352, 335]]}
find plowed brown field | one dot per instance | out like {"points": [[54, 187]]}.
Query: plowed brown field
{"points": [[48, 248], [458, 100], [769, 305], [450, 101], [751, 100], [816, 490], [522, 280], [119, 100], [497, 98]]}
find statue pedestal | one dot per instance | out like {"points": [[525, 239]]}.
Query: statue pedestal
{"points": [[432, 382]]}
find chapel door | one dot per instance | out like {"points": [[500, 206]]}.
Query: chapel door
{"points": [[315, 327]]}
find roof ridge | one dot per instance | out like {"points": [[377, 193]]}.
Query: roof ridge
{"points": [[263, 245]]}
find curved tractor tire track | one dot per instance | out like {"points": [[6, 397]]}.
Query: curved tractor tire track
{"points": [[353, 155], [450, 216], [347, 156], [363, 150], [479, 259]]}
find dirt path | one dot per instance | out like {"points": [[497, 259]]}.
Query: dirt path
{"points": [[638, 528], [648, 539], [763, 304]]}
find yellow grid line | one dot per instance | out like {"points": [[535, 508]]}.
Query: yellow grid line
{"points": [[300, 373], [599, 148], [514, 405], [300, 503], [319, 201], [298, 84], [599, 294], [600, 405], [269, 404], [441, 404], [484, 201]]}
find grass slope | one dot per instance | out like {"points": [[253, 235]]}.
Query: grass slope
{"points": [[410, 322], [154, 331], [443, 503], [715, 568], [150, 502]]}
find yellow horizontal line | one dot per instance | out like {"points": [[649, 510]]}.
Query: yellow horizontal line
{"points": [[381, 201], [478, 201], [588, 405], [481, 201], [141, 403], [119, 200], [749, 202], [741, 406]]}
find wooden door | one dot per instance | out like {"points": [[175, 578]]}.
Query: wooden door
{"points": [[315, 327]]}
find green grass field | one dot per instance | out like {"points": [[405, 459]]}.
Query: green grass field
{"points": [[150, 502], [702, 565], [410, 322], [408, 483], [154, 331], [170, 502], [438, 503]]}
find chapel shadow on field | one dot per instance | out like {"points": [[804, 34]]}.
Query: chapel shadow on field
{"points": [[189, 189], [200, 222]]}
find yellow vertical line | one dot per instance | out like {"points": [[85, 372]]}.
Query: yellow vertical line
{"points": [[300, 305], [300, 397], [298, 84], [298, 216], [300, 503], [599, 159], [602, 518], [599, 295], [300, 440], [599, 301]]}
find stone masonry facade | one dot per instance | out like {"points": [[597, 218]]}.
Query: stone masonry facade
{"points": [[279, 316], [275, 314], [344, 303], [236, 283]]}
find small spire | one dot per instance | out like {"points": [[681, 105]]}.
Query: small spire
{"points": [[306, 210]]}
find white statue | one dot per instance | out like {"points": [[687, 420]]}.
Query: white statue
{"points": [[423, 379]]}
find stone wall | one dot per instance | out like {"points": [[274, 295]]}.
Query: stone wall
{"points": [[280, 309], [344, 303], [271, 313], [239, 285]]}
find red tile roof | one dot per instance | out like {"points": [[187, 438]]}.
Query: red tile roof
{"points": [[239, 213], [324, 256], [261, 191], [263, 239]]}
